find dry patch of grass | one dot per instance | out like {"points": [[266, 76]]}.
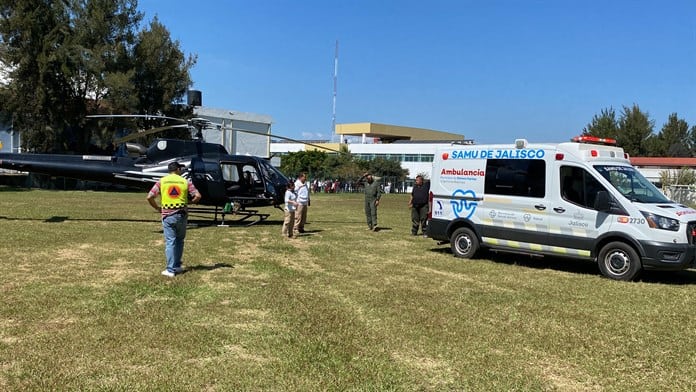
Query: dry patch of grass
{"points": [[564, 376], [436, 373]]}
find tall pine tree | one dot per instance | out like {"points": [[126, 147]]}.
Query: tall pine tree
{"points": [[635, 129], [675, 138], [603, 125]]}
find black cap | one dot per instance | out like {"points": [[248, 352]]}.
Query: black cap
{"points": [[174, 165]]}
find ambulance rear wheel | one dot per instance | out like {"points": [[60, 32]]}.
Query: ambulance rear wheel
{"points": [[464, 243], [619, 261]]}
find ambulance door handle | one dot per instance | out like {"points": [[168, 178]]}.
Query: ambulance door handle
{"points": [[540, 207], [560, 210]]}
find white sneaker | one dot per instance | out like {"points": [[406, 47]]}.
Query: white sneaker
{"points": [[180, 270], [168, 274]]}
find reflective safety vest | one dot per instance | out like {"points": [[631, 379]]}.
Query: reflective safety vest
{"points": [[174, 190]]}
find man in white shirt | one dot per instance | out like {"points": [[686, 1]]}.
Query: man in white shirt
{"points": [[302, 190]]}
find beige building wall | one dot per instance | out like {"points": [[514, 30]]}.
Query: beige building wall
{"points": [[389, 133]]}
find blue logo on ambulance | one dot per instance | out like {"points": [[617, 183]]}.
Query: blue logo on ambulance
{"points": [[465, 206]]}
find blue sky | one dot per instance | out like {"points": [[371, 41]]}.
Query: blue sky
{"points": [[491, 70]]}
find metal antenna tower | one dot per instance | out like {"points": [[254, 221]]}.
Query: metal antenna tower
{"points": [[335, 83]]}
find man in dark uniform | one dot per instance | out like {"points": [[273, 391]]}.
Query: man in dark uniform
{"points": [[372, 195], [419, 205]]}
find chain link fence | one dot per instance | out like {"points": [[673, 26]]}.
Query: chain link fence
{"points": [[684, 194]]}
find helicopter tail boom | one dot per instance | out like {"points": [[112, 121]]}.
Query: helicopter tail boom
{"points": [[85, 167]]}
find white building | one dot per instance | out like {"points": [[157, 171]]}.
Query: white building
{"points": [[240, 133], [414, 148], [416, 156]]}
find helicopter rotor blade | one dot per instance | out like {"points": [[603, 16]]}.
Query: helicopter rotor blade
{"points": [[145, 116], [197, 122], [136, 135], [278, 137]]}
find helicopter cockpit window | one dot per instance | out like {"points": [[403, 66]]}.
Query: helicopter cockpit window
{"points": [[271, 172], [250, 175], [229, 172]]}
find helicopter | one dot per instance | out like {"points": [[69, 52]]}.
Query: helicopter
{"points": [[230, 184]]}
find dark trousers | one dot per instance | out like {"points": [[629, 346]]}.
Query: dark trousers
{"points": [[419, 217]]}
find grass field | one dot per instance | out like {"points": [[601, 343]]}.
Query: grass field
{"points": [[84, 307]]}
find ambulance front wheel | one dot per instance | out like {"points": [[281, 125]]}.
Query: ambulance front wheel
{"points": [[464, 243], [619, 261]]}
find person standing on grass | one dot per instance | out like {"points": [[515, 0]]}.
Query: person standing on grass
{"points": [[302, 190], [418, 203], [175, 192], [290, 207], [372, 195]]}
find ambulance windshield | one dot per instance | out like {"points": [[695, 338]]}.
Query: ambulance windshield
{"points": [[631, 184]]}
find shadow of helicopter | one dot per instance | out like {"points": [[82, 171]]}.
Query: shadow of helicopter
{"points": [[61, 219], [193, 223]]}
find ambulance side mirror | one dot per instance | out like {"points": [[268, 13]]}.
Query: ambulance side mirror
{"points": [[602, 201]]}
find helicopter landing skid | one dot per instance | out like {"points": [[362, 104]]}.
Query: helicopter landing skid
{"points": [[242, 216], [247, 217]]}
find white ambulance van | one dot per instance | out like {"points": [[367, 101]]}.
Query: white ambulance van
{"points": [[581, 199]]}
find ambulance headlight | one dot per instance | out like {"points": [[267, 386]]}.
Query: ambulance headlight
{"points": [[661, 222]]}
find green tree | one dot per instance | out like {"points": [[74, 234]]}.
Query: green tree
{"points": [[311, 162], [161, 70], [674, 138], [348, 171], [635, 129], [71, 58], [603, 125], [342, 165], [385, 168], [33, 34], [161, 79], [691, 141], [654, 146], [100, 66]]}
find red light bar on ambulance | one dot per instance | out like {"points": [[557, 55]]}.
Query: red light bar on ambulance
{"points": [[594, 140]]}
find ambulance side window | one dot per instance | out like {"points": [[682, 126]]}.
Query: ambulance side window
{"points": [[578, 186], [516, 177]]}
